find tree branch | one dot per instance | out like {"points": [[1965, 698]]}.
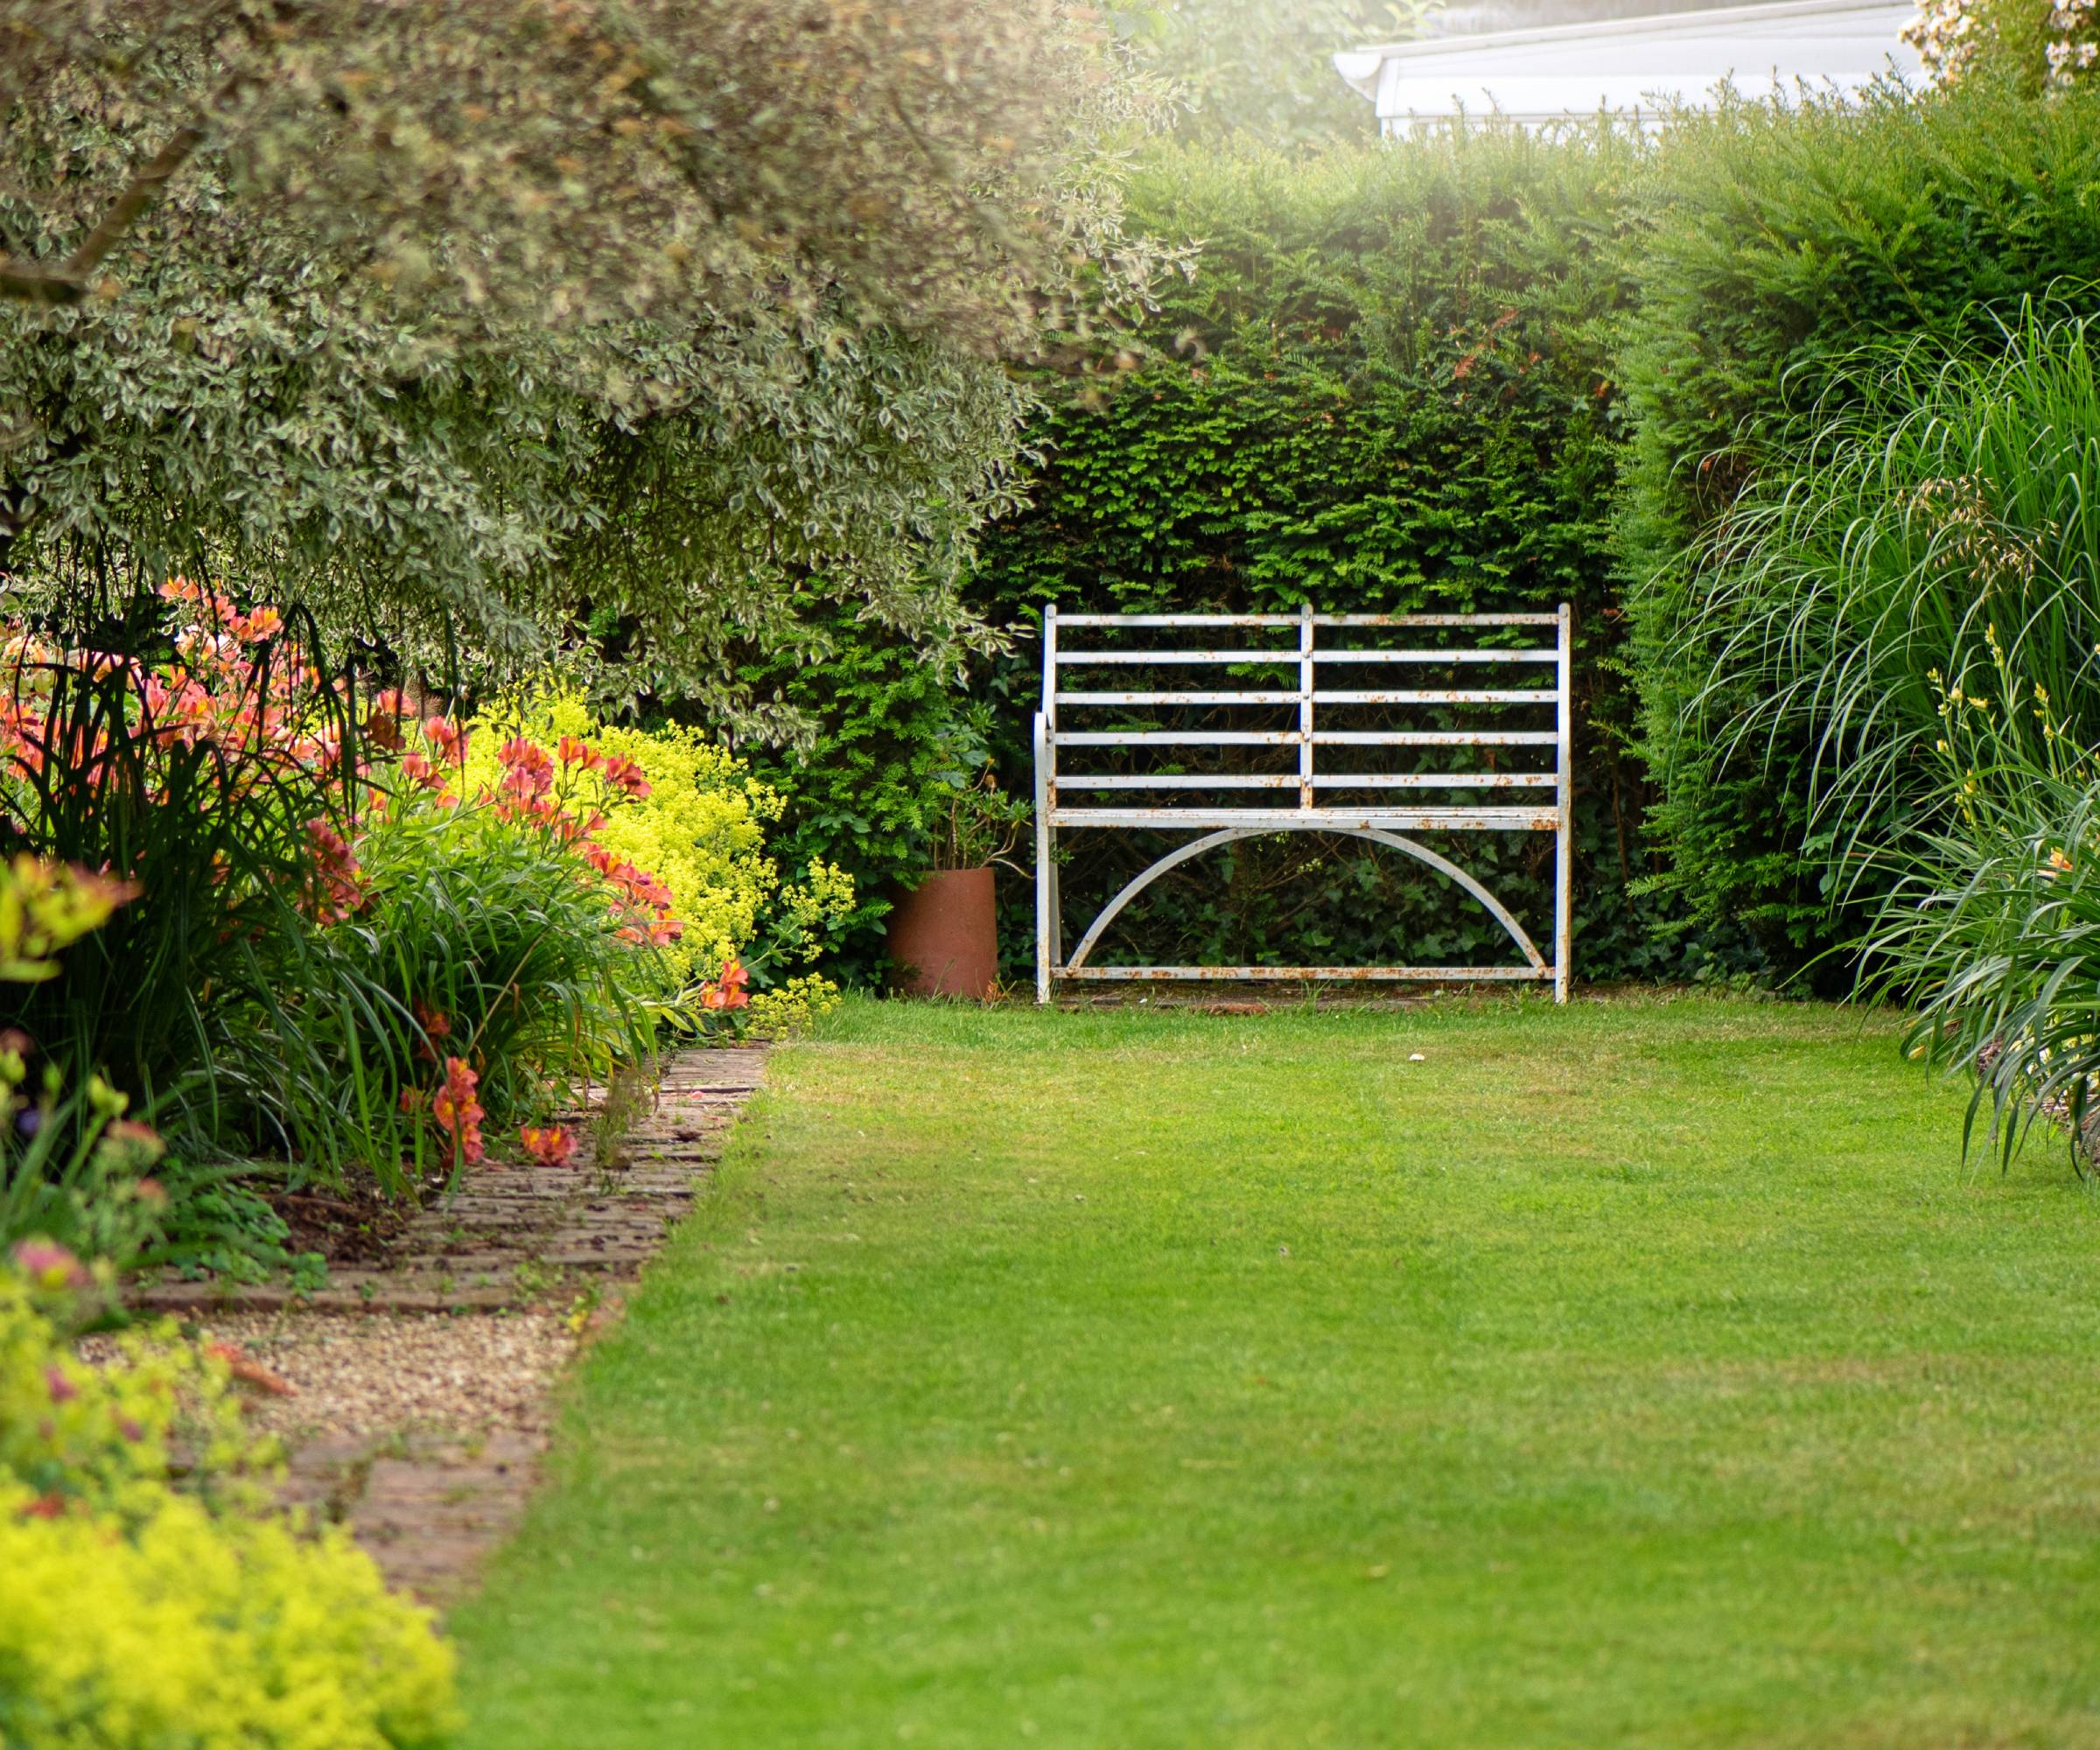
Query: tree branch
{"points": [[66, 282]]}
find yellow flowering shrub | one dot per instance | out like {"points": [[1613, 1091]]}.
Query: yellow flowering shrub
{"points": [[137, 1616], [181, 1632], [98, 1437], [701, 831], [790, 1008]]}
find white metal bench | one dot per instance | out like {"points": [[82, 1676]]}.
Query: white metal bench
{"points": [[1321, 793]]}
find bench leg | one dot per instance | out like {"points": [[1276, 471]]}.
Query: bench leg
{"points": [[1045, 874]]}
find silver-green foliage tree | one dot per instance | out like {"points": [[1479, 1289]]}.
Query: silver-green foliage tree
{"points": [[488, 320]]}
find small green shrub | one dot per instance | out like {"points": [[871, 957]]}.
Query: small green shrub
{"points": [[207, 1635], [893, 738], [98, 1440]]}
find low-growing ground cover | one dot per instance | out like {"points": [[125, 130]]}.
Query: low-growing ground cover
{"points": [[1646, 1372]]}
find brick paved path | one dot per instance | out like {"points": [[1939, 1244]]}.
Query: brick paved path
{"points": [[430, 1504]]}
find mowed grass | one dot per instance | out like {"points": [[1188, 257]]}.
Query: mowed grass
{"points": [[1642, 1373]]}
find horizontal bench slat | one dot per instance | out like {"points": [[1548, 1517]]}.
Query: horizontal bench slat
{"points": [[1203, 699], [1269, 659], [1443, 695], [1318, 619], [1168, 738], [1431, 738], [1178, 780], [1433, 695], [1434, 780], [1436, 620], [1289, 738], [1211, 974], [1316, 820], [1286, 659], [1435, 656], [1178, 619]]}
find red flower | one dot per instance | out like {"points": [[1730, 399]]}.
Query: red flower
{"points": [[727, 991], [337, 887], [458, 1112], [626, 776], [435, 1025], [549, 1144], [576, 752]]}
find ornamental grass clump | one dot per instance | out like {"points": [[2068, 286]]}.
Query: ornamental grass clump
{"points": [[1906, 619], [1994, 929], [1944, 523]]}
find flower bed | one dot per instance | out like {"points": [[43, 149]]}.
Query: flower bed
{"points": [[369, 935]]}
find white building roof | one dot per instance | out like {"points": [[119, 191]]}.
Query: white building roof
{"points": [[1634, 66]]}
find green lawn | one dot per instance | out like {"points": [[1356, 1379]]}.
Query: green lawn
{"points": [[1640, 1373]]}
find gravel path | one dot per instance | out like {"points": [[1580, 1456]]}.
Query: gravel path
{"points": [[385, 1374]]}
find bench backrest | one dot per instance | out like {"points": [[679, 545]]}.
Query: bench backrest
{"points": [[1330, 717]]}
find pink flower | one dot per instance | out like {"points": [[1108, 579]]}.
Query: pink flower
{"points": [[447, 738], [62, 1389], [419, 769], [49, 1265], [337, 879], [528, 771]]}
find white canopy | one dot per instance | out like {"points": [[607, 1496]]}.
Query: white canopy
{"points": [[1634, 66]]}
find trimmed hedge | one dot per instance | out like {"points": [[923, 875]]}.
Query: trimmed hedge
{"points": [[1774, 247], [1387, 386]]}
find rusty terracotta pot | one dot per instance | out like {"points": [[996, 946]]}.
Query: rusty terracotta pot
{"points": [[944, 937]]}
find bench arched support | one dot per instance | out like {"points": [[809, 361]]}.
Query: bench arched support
{"points": [[1421, 853]]}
